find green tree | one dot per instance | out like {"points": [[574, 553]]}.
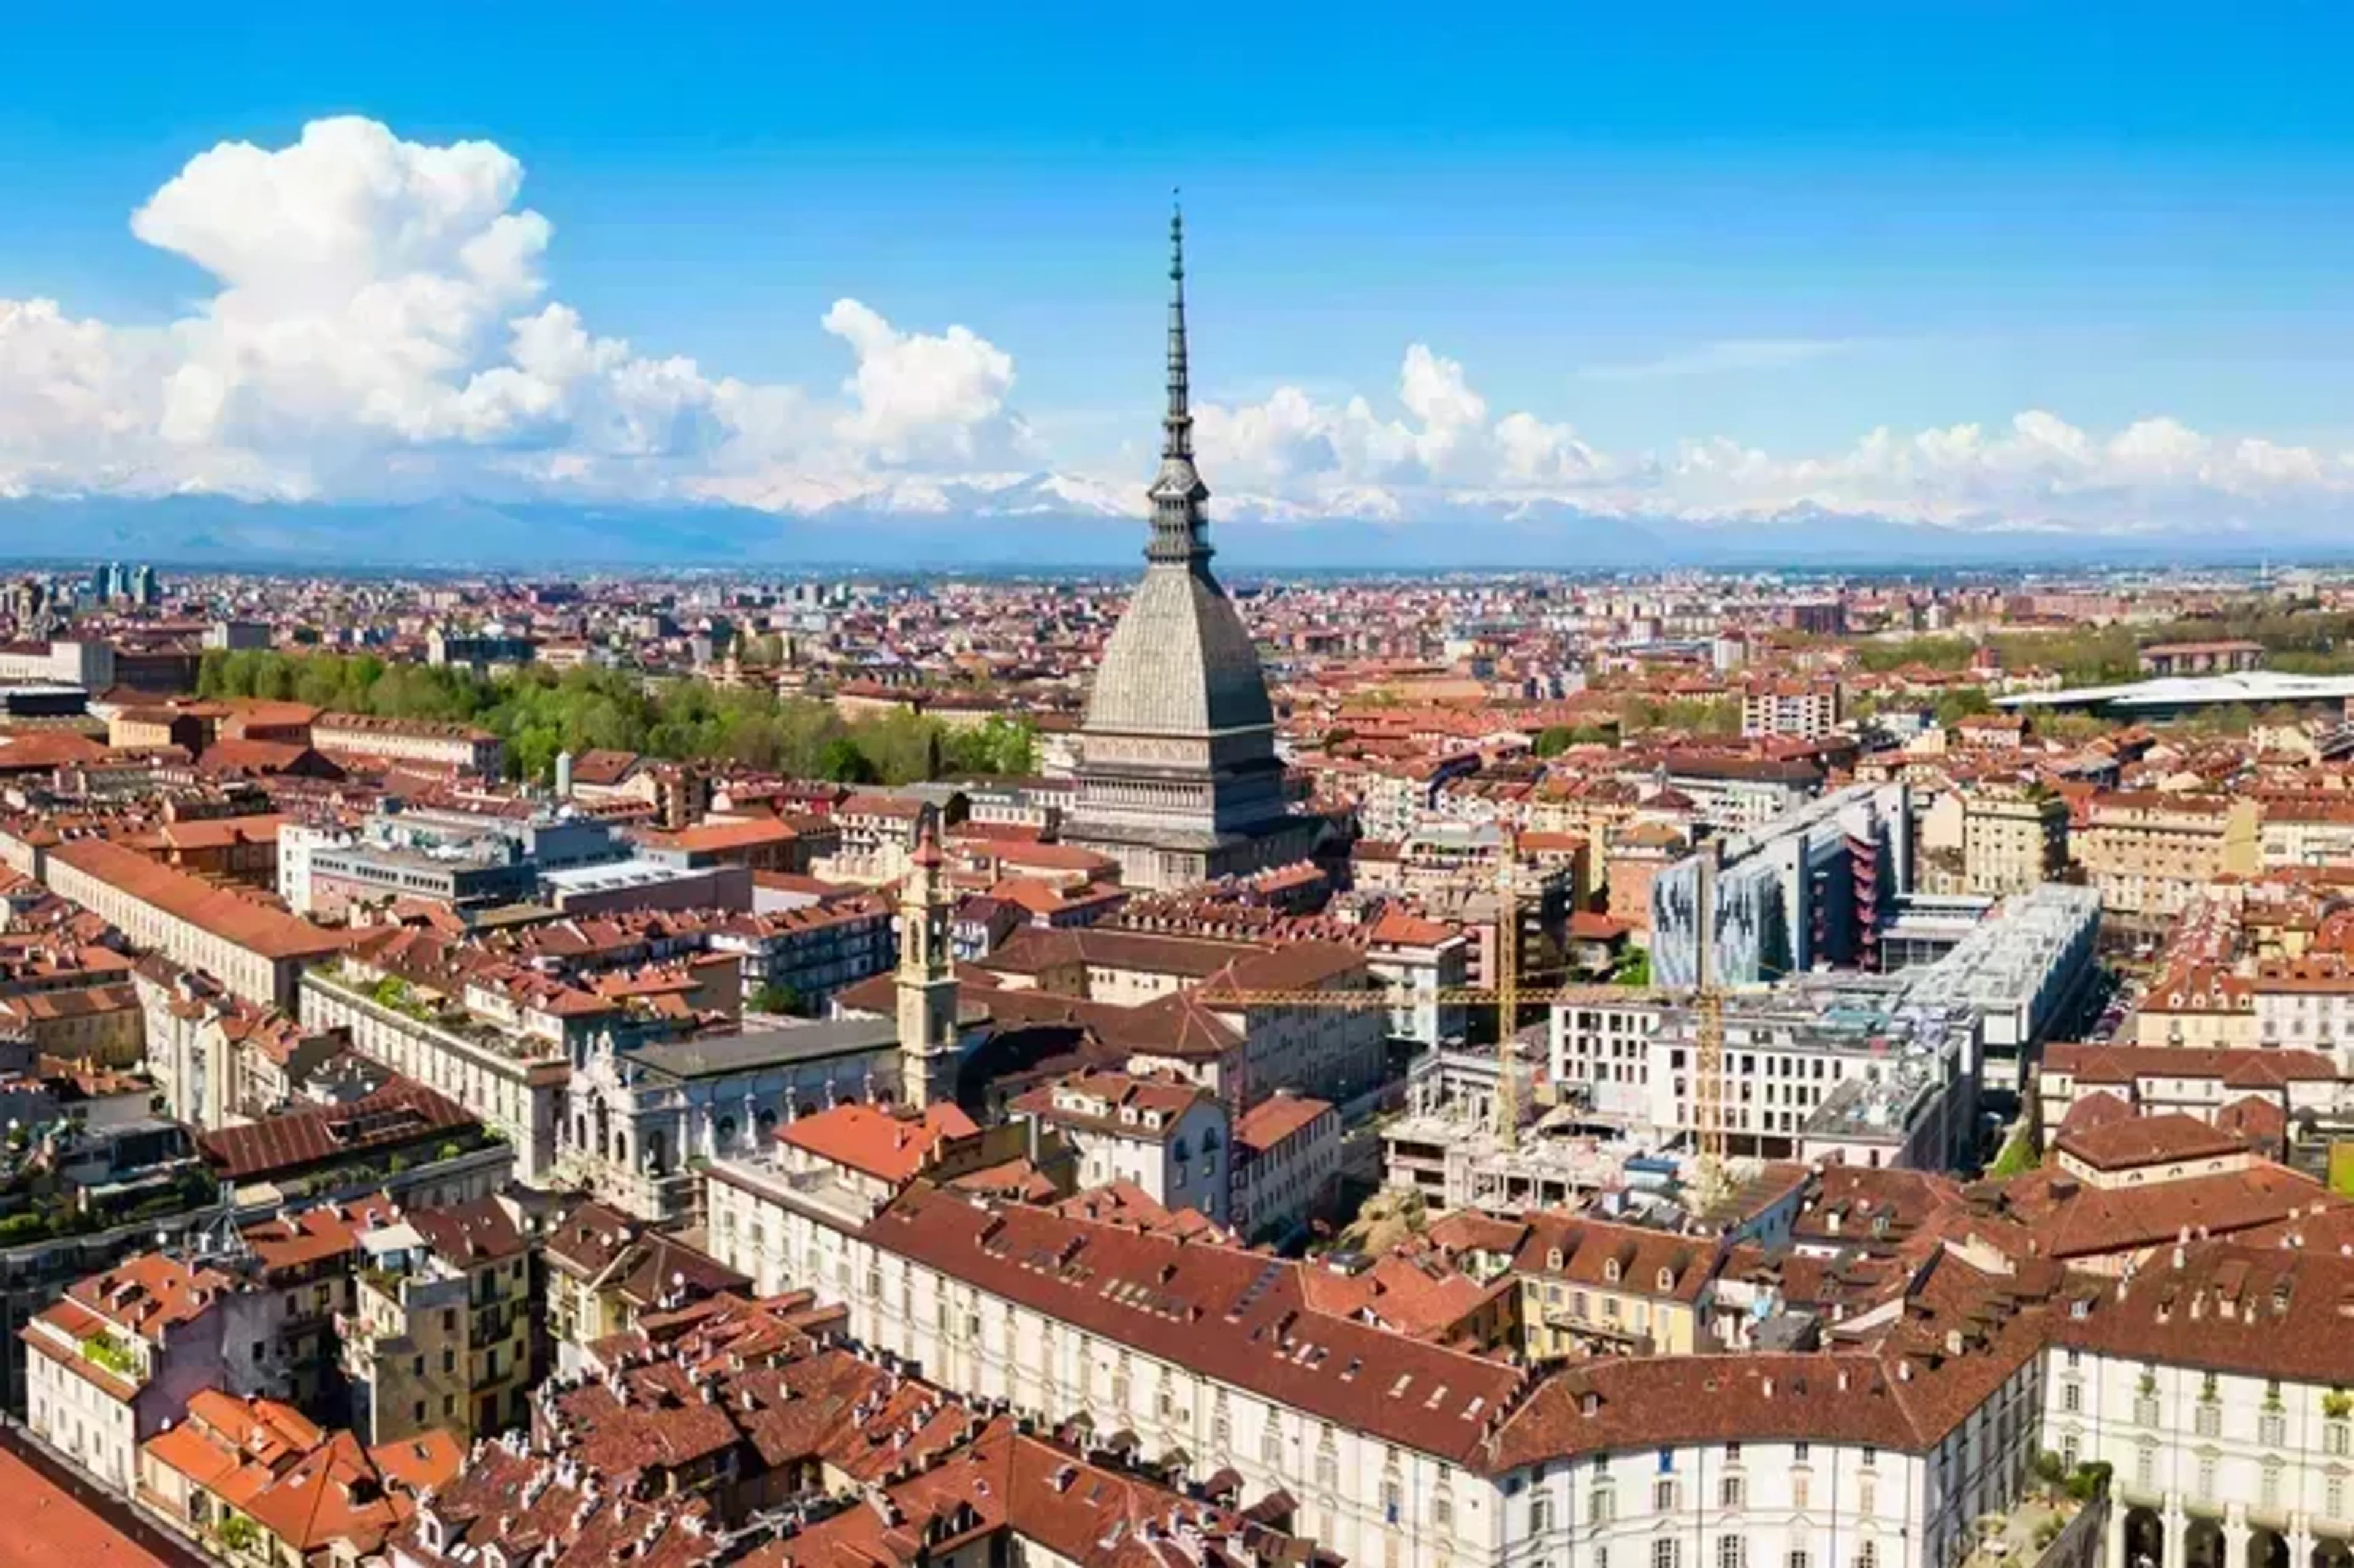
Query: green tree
{"points": [[2017, 1159], [842, 761], [998, 747], [774, 997], [1961, 702]]}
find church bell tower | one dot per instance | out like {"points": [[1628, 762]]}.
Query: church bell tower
{"points": [[927, 984]]}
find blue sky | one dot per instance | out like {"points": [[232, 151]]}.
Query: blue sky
{"points": [[1778, 227]]}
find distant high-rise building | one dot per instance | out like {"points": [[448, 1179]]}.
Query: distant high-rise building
{"points": [[143, 588], [1178, 779]]}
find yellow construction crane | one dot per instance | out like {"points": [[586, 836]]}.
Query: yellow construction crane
{"points": [[1506, 995], [1708, 1040]]}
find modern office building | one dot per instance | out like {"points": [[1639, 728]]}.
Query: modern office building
{"points": [[1810, 887]]}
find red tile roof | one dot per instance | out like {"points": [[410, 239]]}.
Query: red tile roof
{"points": [[873, 1139], [1276, 1118], [399, 1114], [2148, 1140], [273, 933], [44, 1525], [1236, 1315]]}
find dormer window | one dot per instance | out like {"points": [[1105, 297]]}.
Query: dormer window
{"points": [[1667, 1279], [1552, 1258], [1610, 1271]]}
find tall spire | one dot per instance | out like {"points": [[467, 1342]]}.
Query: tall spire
{"points": [[1179, 529], [1177, 430]]}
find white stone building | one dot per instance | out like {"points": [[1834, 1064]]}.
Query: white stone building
{"points": [[2215, 1384], [1399, 1451]]}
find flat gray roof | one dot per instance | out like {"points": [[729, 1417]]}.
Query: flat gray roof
{"points": [[2254, 687], [722, 1055]]}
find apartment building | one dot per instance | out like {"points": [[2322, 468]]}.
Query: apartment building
{"points": [[1394, 797], [308, 1258], [2213, 1385], [1414, 959], [2014, 838], [462, 748], [1276, 1042], [216, 1057], [607, 1270], [1803, 709], [2079, 1084], [439, 1332], [260, 1481], [814, 952], [119, 1356], [1165, 1135], [2307, 831], [2306, 1005], [2203, 1006], [1395, 1449], [259, 952], [1738, 793], [2222, 658], [1287, 1165], [878, 834], [1591, 1288], [515, 1082], [100, 1024], [2151, 854]]}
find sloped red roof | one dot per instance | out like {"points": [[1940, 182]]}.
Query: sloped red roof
{"points": [[400, 1113]]}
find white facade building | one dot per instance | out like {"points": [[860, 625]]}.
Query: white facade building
{"points": [[1396, 1450]]}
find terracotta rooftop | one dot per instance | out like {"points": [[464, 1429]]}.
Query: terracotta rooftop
{"points": [[401, 1112], [1236, 1315], [269, 932], [873, 1139], [1277, 1117], [2149, 1140], [44, 1525]]}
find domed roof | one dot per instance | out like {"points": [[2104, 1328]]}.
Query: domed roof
{"points": [[1180, 662]]}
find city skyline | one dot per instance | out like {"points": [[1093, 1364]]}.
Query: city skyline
{"points": [[1736, 317]]}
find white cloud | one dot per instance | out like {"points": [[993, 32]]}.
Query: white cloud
{"points": [[378, 321], [1291, 452], [914, 396], [377, 299]]}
